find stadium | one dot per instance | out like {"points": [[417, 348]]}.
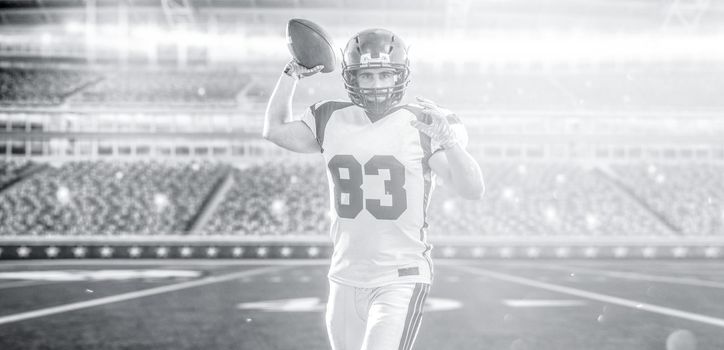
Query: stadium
{"points": [[140, 206]]}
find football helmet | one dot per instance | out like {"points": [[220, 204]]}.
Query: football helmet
{"points": [[375, 48]]}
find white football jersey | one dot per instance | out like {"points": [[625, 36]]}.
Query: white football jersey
{"points": [[379, 184]]}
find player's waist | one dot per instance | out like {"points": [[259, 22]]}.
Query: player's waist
{"points": [[368, 275]]}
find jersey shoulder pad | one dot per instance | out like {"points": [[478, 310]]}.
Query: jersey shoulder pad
{"points": [[329, 106], [322, 111]]}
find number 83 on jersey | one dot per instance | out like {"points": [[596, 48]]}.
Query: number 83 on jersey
{"points": [[350, 185]]}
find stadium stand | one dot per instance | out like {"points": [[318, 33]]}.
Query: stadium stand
{"points": [[687, 196], [606, 89], [168, 87], [11, 171], [40, 87], [99, 198], [617, 90], [542, 199], [50, 87], [521, 200], [276, 199]]}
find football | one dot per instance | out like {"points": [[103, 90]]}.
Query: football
{"points": [[311, 45]]}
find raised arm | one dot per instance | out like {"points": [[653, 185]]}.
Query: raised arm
{"points": [[456, 166], [453, 164], [279, 126]]}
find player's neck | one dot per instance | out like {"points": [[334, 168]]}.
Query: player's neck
{"points": [[375, 117]]}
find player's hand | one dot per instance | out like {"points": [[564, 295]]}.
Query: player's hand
{"points": [[297, 71], [439, 129]]}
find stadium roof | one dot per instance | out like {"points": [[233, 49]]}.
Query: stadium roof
{"points": [[463, 14]]}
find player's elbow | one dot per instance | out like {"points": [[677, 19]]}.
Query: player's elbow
{"points": [[269, 134], [273, 123], [272, 137]]}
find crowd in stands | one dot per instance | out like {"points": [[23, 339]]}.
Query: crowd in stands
{"points": [[688, 197], [11, 171], [521, 200], [49, 87], [273, 199], [461, 89], [40, 87], [542, 199], [165, 87], [655, 90], [533, 199], [99, 198], [501, 91]]}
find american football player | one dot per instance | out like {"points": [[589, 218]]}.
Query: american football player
{"points": [[382, 159]]}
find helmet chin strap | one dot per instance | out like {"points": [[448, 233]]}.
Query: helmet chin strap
{"points": [[377, 105], [376, 101]]}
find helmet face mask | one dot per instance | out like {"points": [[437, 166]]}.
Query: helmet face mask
{"points": [[375, 49]]}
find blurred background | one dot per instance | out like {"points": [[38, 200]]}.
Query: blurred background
{"points": [[127, 126], [590, 118]]}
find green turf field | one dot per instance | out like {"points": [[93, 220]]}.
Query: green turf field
{"points": [[274, 304]]}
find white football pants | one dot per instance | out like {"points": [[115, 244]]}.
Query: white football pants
{"points": [[382, 318]]}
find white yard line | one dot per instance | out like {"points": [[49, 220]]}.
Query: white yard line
{"points": [[700, 266], [521, 303], [594, 296], [134, 295], [17, 284], [636, 276]]}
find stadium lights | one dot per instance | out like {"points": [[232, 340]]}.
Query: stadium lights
{"points": [[185, 37], [52, 251], [498, 46], [147, 32], [517, 251], [74, 27], [79, 252], [237, 252], [106, 252], [487, 47], [135, 251], [46, 38], [23, 252]]}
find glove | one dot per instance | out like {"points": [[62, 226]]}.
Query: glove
{"points": [[439, 129], [297, 71]]}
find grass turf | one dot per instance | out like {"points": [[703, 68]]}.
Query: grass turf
{"points": [[206, 317]]}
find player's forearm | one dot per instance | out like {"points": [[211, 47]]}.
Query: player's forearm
{"points": [[465, 173], [279, 109]]}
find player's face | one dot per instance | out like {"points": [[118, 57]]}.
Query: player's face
{"points": [[376, 78]]}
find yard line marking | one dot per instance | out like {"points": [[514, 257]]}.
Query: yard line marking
{"points": [[687, 281], [596, 296], [542, 303], [658, 265], [134, 295], [17, 284], [702, 271]]}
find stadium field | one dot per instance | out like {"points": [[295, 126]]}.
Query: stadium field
{"points": [[278, 304]]}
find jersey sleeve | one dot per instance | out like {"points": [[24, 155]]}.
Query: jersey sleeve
{"points": [[309, 119], [317, 116], [460, 132]]}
